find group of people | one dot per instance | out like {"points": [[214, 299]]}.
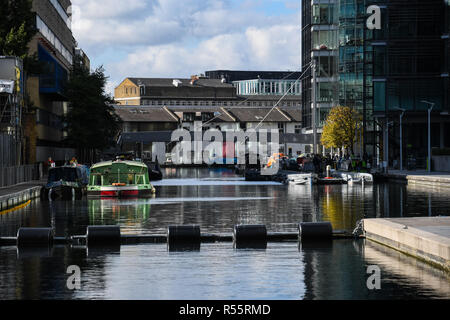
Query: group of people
{"points": [[338, 162], [51, 164]]}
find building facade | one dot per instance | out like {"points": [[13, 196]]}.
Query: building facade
{"points": [[398, 70], [237, 75], [150, 127], [203, 103], [255, 87], [54, 46], [410, 74]]}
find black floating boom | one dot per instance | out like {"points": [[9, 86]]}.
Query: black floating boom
{"points": [[184, 238], [315, 231], [101, 235], [250, 236], [34, 237], [186, 233], [178, 237]]}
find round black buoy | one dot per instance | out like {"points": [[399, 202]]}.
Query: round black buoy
{"points": [[103, 235], [183, 238], [315, 231], [250, 236], [34, 237]]}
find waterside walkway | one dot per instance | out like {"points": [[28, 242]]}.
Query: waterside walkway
{"points": [[423, 177], [17, 195], [426, 238]]}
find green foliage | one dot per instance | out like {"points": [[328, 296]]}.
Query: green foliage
{"points": [[340, 127], [91, 121], [17, 27]]}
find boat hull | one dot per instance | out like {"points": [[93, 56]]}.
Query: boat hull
{"points": [[120, 192], [62, 192]]}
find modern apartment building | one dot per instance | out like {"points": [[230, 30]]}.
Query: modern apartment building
{"points": [[54, 46], [402, 67]]}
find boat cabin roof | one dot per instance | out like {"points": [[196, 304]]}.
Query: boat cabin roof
{"points": [[67, 173], [126, 162]]}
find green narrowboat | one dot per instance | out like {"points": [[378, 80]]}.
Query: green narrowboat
{"points": [[119, 179]]}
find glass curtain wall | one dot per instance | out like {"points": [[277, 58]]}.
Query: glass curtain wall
{"points": [[324, 30], [356, 68]]}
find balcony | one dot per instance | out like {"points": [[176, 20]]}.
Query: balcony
{"points": [[53, 78]]}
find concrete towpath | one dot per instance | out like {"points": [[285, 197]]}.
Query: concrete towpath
{"points": [[16, 195], [435, 179], [426, 238]]}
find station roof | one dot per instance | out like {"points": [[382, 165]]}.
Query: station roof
{"points": [[145, 114], [252, 114], [168, 82]]}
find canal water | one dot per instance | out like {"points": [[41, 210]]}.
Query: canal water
{"points": [[217, 199]]}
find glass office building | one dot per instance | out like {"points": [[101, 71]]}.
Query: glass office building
{"points": [[320, 43], [380, 72], [267, 87]]}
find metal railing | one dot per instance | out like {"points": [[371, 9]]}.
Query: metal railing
{"points": [[18, 174]]}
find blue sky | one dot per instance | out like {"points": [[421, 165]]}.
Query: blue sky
{"points": [[179, 38]]}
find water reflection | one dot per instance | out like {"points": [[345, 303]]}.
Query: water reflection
{"points": [[130, 215], [412, 273], [335, 270], [217, 271]]}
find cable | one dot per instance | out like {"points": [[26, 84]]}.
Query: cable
{"points": [[290, 88], [276, 104]]}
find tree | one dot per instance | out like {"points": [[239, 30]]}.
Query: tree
{"points": [[17, 27], [91, 121], [340, 128]]}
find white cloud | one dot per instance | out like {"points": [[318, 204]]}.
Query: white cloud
{"points": [[173, 38], [271, 48]]}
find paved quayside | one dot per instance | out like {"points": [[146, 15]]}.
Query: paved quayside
{"points": [[426, 238], [14, 196], [419, 177]]}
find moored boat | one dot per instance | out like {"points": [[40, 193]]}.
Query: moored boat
{"points": [[66, 182], [301, 179], [120, 179]]}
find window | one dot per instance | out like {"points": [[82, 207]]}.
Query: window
{"points": [[323, 14], [379, 103], [324, 39], [379, 56], [281, 127], [298, 128], [188, 116], [206, 116], [50, 36]]}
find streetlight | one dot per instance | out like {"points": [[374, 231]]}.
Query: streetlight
{"points": [[429, 139], [314, 105], [401, 138], [387, 144]]}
